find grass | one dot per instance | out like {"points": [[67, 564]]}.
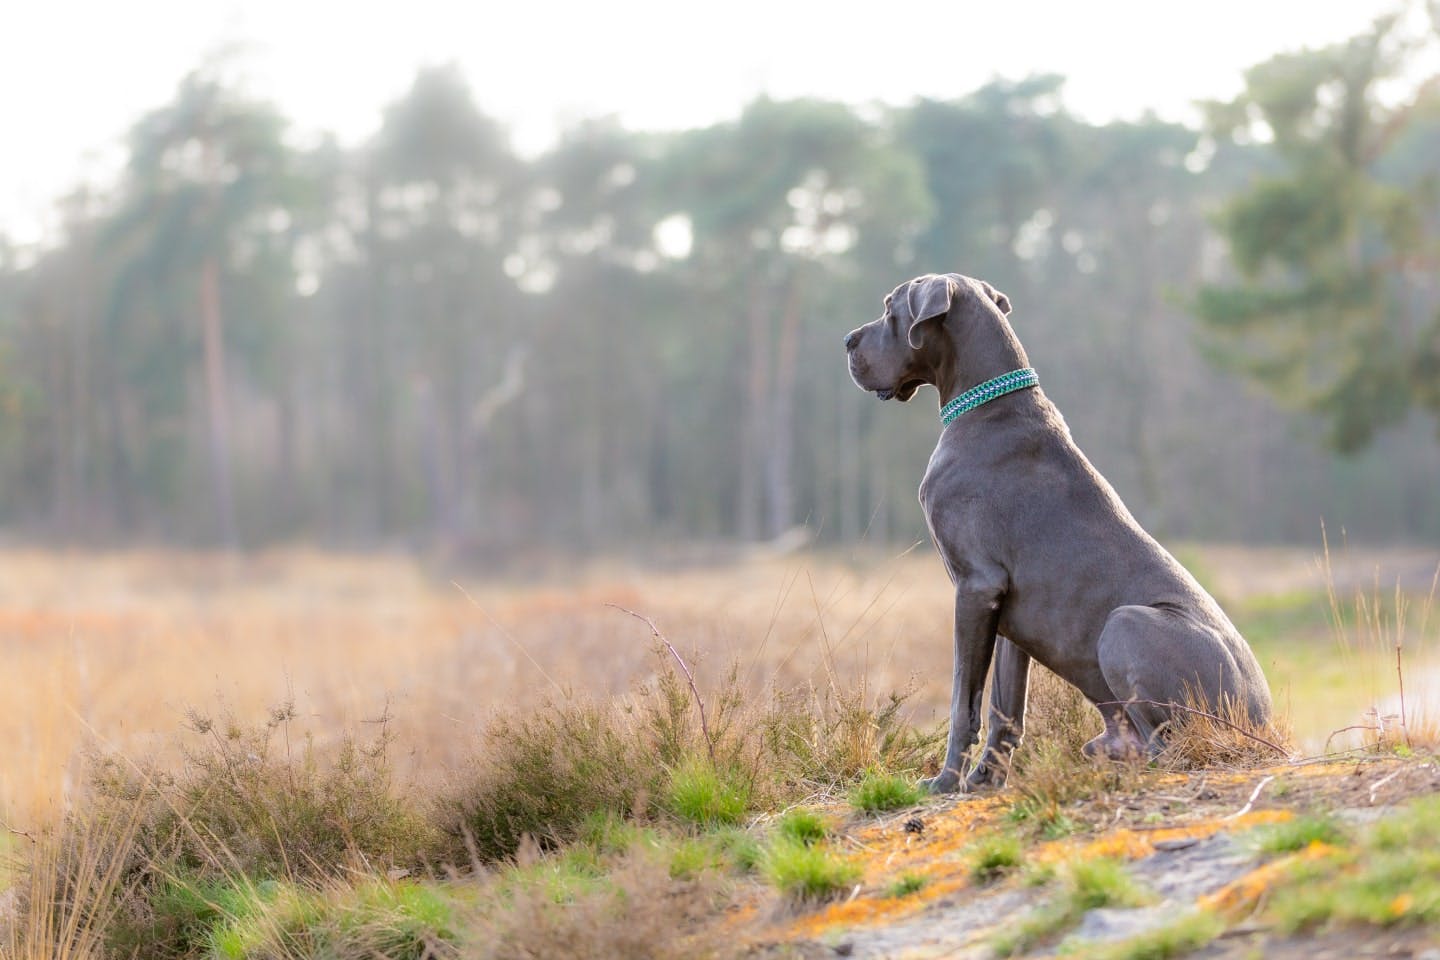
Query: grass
{"points": [[405, 921], [580, 820], [1085, 885], [907, 884], [995, 855], [1297, 834], [1389, 877], [807, 874], [1177, 939], [878, 792], [740, 847], [706, 795], [802, 825], [258, 844]]}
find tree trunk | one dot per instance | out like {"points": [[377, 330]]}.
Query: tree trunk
{"points": [[848, 445], [752, 438], [779, 479], [215, 395]]}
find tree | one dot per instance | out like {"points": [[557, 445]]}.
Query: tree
{"points": [[440, 309], [782, 204], [203, 220], [1332, 311]]}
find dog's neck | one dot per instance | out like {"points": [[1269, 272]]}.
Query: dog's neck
{"points": [[980, 347]]}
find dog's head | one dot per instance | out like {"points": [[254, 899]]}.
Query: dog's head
{"points": [[901, 350]]}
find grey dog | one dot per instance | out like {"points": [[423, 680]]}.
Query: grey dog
{"points": [[1047, 562]]}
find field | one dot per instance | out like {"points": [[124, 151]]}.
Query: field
{"points": [[300, 754], [112, 650]]}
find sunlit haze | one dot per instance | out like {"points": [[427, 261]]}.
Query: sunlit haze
{"points": [[74, 75]]}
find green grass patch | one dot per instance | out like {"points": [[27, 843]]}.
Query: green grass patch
{"points": [[803, 873], [1043, 816], [1298, 834], [1388, 876], [609, 834], [739, 847], [1189, 933], [877, 792], [1086, 885], [906, 884], [707, 796], [405, 921], [559, 877], [995, 855], [802, 826], [692, 856]]}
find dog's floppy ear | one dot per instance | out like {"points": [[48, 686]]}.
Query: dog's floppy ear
{"points": [[928, 298], [1001, 301]]}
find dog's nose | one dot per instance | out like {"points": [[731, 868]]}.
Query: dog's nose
{"points": [[852, 339]]}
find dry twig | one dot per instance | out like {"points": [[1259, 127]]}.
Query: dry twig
{"points": [[689, 677], [1382, 781], [1201, 713], [1251, 802]]}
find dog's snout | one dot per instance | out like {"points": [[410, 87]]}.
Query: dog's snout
{"points": [[852, 339]]}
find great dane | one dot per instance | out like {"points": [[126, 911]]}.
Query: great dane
{"points": [[1047, 562]]}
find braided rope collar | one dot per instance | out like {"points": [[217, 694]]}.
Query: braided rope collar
{"points": [[987, 391]]}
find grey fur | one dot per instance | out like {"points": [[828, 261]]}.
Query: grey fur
{"points": [[1047, 562]]}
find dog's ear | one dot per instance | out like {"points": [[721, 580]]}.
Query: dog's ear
{"points": [[928, 298], [1001, 301]]}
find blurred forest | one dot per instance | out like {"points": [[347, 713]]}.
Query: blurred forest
{"points": [[433, 341]]}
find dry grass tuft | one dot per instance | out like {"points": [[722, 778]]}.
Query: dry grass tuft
{"points": [[641, 913], [72, 888], [1201, 737], [1056, 713]]}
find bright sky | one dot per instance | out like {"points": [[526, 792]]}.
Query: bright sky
{"points": [[74, 75]]}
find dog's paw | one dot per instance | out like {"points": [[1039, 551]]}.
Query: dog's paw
{"points": [[984, 776], [946, 782]]}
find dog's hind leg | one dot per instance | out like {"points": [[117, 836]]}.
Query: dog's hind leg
{"points": [[1142, 657]]}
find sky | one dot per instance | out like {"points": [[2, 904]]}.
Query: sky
{"points": [[75, 75]]}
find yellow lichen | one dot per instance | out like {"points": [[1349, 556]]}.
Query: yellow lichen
{"points": [[1240, 895]]}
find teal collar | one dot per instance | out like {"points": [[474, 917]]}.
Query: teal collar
{"points": [[987, 391]]}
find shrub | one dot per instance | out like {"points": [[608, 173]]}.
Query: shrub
{"points": [[544, 774], [404, 921], [244, 801], [692, 856], [829, 737]]}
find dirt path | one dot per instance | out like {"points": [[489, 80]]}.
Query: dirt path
{"points": [[1184, 840]]}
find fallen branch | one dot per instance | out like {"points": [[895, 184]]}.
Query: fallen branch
{"points": [[1382, 781], [1201, 713], [1251, 802], [690, 678]]}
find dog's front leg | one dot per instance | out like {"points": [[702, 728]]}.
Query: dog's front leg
{"points": [[1009, 684], [976, 614]]}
